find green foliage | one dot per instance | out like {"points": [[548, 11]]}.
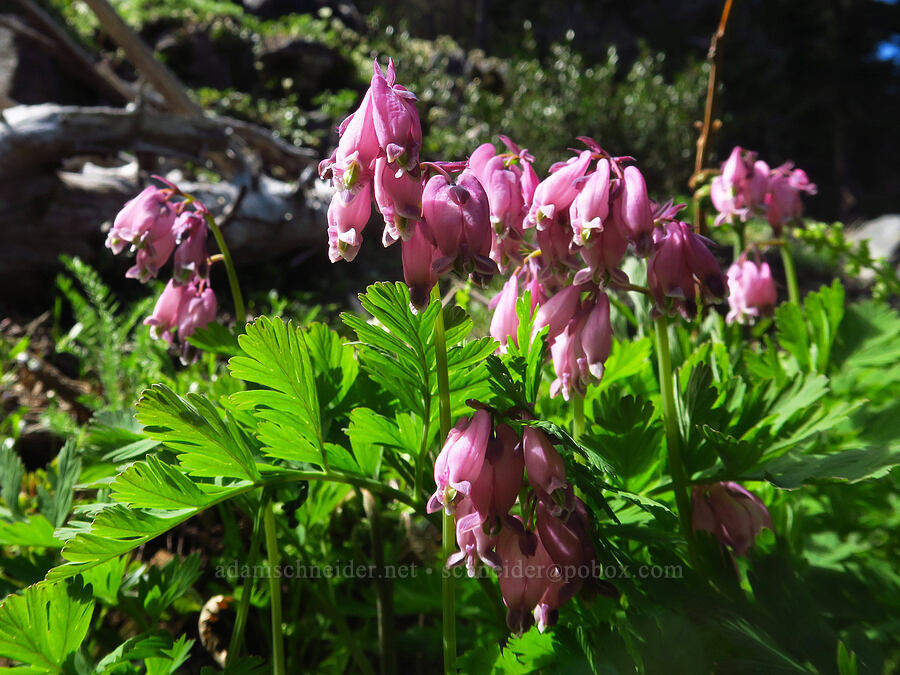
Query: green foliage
{"points": [[44, 627], [110, 343], [208, 445]]}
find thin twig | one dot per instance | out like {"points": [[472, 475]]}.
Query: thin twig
{"points": [[142, 58], [714, 57]]}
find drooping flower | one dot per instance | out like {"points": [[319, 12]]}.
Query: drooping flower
{"points": [[734, 515], [396, 121], [346, 222], [419, 255], [681, 261], [751, 290], [632, 211], [457, 217], [459, 462], [166, 312], [783, 198], [590, 208], [190, 260], [740, 188], [475, 545], [497, 487], [526, 572], [399, 200], [544, 465], [555, 194], [147, 216], [198, 309]]}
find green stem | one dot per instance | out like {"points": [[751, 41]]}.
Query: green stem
{"points": [[740, 240], [577, 415], [240, 621], [673, 434], [448, 525], [240, 312], [790, 273], [274, 589]]}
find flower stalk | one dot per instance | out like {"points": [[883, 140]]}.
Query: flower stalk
{"points": [[274, 560], [673, 435], [448, 590], [236, 295], [790, 274]]}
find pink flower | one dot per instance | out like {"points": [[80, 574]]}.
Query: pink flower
{"points": [[352, 163], [543, 464], [147, 216], [457, 215], [525, 575], [419, 255], [190, 259], [596, 337], [740, 188], [505, 322], [198, 308], [751, 290], [166, 312], [731, 513], [396, 121], [631, 209], [554, 195], [590, 208], [566, 353], [459, 462], [497, 487], [346, 221], [399, 200], [557, 311], [474, 543], [680, 262], [783, 198]]}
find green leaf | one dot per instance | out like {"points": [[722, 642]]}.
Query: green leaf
{"points": [[117, 529], [215, 338], [626, 359], [139, 647], [46, 624], [171, 659], [207, 445], [846, 660], [36, 531], [277, 356], [157, 485], [334, 362], [793, 470], [11, 472], [56, 503], [792, 333]]}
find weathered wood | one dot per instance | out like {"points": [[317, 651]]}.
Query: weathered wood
{"points": [[51, 202], [36, 138]]}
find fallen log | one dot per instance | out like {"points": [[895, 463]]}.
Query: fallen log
{"points": [[53, 201]]}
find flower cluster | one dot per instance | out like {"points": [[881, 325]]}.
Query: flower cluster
{"points": [[731, 513], [443, 222], [585, 215], [156, 228], [747, 187], [479, 475]]}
